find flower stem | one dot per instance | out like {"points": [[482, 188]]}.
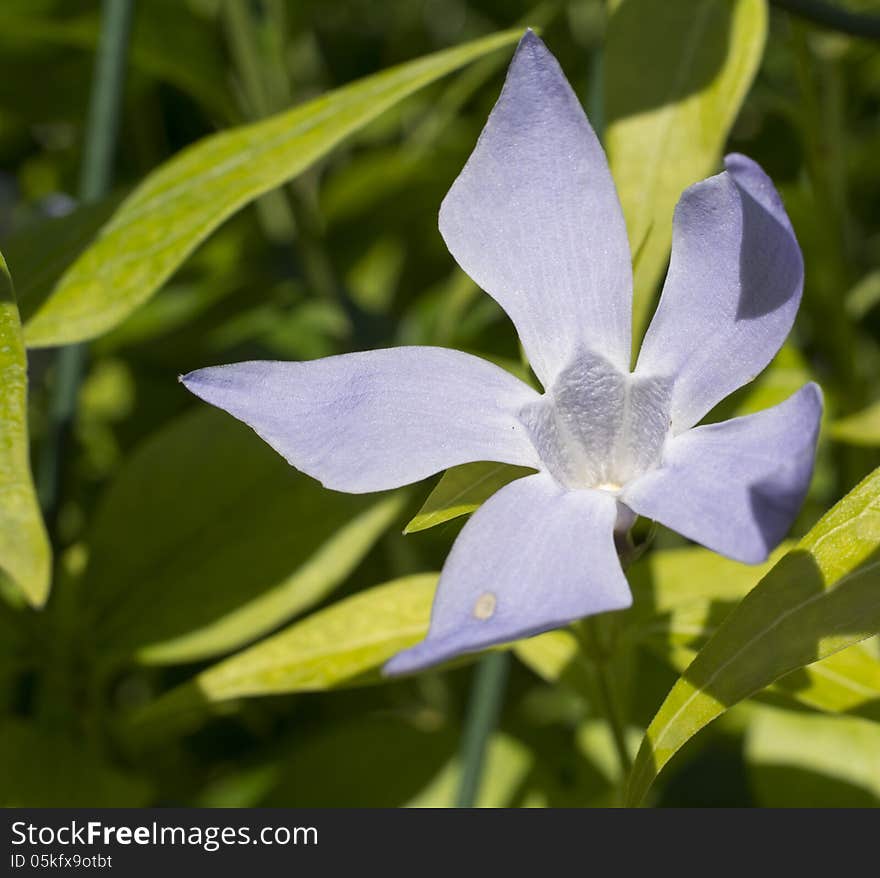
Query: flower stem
{"points": [[484, 707]]}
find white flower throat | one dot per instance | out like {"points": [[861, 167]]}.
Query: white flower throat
{"points": [[598, 427]]}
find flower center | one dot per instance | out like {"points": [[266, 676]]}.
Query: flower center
{"points": [[597, 427]]}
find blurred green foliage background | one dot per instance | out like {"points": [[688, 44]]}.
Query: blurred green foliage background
{"points": [[180, 539]]}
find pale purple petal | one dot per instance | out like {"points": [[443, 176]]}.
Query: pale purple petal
{"points": [[535, 220], [736, 487], [733, 289], [378, 419], [533, 557]]}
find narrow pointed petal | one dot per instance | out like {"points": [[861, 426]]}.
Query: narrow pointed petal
{"points": [[736, 487], [535, 220], [532, 558], [732, 292], [379, 419]]}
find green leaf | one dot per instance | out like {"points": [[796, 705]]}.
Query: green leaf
{"points": [[343, 644], [845, 682], [224, 540], [182, 202], [681, 596], [25, 554], [461, 490], [801, 760], [820, 598], [862, 428], [676, 74], [331, 647]]}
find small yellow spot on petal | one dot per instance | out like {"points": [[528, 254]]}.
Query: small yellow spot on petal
{"points": [[484, 608]]}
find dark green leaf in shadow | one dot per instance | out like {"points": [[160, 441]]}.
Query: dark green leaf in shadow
{"points": [[43, 769], [342, 645], [223, 542], [377, 762]]}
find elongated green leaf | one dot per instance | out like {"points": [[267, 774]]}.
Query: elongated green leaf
{"points": [[676, 75], [224, 540], [181, 203], [24, 547], [463, 489], [844, 682], [331, 647], [801, 760], [334, 647], [862, 428], [821, 597]]}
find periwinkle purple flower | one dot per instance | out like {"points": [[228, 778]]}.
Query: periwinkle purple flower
{"points": [[535, 220]]}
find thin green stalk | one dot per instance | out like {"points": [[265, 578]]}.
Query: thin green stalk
{"points": [[484, 707], [96, 172]]}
